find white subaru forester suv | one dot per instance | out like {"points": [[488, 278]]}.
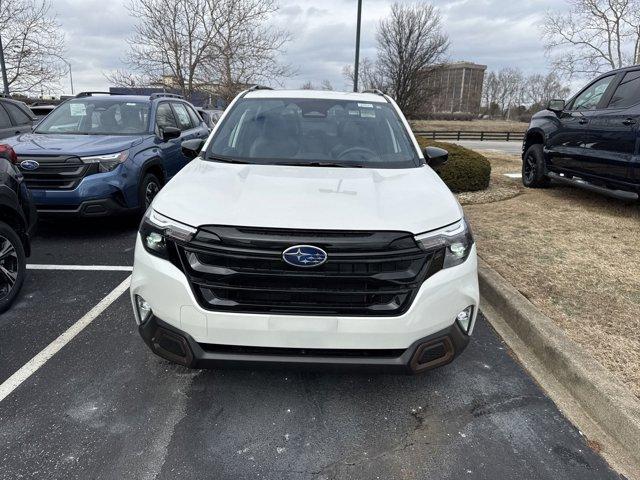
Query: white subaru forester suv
{"points": [[309, 230]]}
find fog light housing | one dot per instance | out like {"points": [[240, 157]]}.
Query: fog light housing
{"points": [[143, 309], [464, 319]]}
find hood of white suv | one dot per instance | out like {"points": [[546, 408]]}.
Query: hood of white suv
{"points": [[319, 198]]}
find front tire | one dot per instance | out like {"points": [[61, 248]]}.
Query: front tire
{"points": [[12, 266], [533, 168], [149, 188]]}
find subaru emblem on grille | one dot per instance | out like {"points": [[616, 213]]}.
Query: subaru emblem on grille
{"points": [[29, 164], [304, 256]]}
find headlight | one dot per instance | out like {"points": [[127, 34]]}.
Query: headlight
{"points": [[456, 239], [107, 162], [156, 230]]}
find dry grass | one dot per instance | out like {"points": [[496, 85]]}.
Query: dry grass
{"points": [[575, 255], [472, 126]]}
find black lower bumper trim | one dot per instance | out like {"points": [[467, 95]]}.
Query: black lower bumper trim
{"points": [[91, 208], [424, 354]]}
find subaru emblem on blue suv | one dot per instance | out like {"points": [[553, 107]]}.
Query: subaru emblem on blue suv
{"points": [[29, 164], [304, 256]]}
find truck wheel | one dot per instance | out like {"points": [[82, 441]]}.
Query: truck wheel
{"points": [[12, 265], [533, 168], [149, 188]]}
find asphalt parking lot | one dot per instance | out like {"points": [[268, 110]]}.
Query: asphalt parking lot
{"points": [[103, 407]]}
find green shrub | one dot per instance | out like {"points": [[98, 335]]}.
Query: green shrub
{"points": [[466, 170]]}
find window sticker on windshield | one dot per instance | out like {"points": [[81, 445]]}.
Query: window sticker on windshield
{"points": [[368, 113], [354, 112], [365, 105], [78, 109]]}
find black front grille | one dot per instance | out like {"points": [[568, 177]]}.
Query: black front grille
{"points": [[367, 273], [56, 172]]}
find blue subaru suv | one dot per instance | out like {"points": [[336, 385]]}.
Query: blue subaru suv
{"points": [[100, 154]]}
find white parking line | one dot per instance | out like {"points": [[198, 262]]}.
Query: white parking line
{"points": [[29, 368], [92, 268]]}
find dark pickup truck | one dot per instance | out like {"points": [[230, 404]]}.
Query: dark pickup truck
{"points": [[591, 141]]}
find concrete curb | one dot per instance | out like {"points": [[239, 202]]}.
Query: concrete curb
{"points": [[603, 398]]}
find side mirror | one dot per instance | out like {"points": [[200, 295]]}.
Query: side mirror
{"points": [[435, 157], [556, 106], [191, 148], [169, 133]]}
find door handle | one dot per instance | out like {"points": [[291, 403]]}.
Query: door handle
{"points": [[583, 121], [629, 121]]}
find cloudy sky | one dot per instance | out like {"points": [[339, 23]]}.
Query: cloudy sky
{"points": [[496, 33]]}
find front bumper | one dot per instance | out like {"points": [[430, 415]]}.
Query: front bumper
{"points": [[97, 195], [102, 207], [424, 354], [430, 316]]}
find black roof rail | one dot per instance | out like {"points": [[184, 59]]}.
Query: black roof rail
{"points": [[377, 91], [153, 96], [259, 87], [91, 94], [253, 88]]}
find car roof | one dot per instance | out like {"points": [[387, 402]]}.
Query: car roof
{"points": [[11, 100], [125, 98], [317, 94]]}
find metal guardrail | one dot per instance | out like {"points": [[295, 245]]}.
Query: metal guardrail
{"points": [[476, 136]]}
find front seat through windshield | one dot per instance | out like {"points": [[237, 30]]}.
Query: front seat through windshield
{"points": [[307, 131], [97, 116]]}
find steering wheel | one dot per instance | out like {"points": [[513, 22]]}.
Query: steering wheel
{"points": [[365, 152]]}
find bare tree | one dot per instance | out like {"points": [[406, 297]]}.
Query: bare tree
{"points": [[510, 89], [33, 46], [219, 46], [172, 40], [326, 85], [491, 93], [368, 75], [126, 78], [246, 49], [503, 90], [593, 36], [539, 89], [410, 42]]}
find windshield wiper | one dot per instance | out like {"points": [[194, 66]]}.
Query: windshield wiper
{"points": [[321, 164], [218, 158]]}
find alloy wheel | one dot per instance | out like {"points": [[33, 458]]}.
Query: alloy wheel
{"points": [[8, 267], [529, 168], [150, 193]]}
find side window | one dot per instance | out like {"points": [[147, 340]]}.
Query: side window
{"points": [[5, 122], [628, 92], [589, 99], [164, 116], [195, 118], [18, 115], [184, 121]]}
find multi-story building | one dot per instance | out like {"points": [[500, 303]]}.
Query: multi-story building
{"points": [[456, 88]]}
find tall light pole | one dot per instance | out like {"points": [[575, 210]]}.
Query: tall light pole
{"points": [[70, 74], [357, 64], [3, 67]]}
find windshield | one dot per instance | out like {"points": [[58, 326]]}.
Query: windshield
{"points": [[97, 116], [313, 132]]}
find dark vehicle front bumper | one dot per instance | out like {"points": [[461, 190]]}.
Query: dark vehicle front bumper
{"points": [[103, 207], [424, 354]]}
